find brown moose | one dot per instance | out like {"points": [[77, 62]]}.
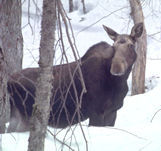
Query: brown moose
{"points": [[105, 70]]}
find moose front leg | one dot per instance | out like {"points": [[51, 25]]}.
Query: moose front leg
{"points": [[103, 119]]}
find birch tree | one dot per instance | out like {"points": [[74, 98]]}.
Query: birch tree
{"points": [[11, 51], [39, 120], [138, 73]]}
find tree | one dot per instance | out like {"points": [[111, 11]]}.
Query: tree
{"points": [[71, 7], [138, 74], [11, 51], [39, 119], [84, 7]]}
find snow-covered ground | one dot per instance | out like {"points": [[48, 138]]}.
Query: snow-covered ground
{"points": [[138, 124]]}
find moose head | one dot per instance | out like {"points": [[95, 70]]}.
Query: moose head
{"points": [[124, 46]]}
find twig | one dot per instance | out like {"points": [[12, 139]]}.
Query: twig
{"points": [[32, 55], [127, 132], [29, 17], [71, 44], [13, 136], [69, 68], [63, 143], [75, 138], [151, 35], [63, 15], [86, 142], [37, 8], [155, 115], [155, 39], [145, 146], [101, 19]]}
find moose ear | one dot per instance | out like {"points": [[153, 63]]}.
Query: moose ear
{"points": [[137, 31], [112, 34]]}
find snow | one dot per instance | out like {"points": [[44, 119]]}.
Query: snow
{"points": [[138, 124]]}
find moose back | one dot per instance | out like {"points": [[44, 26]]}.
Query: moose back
{"points": [[105, 70]]}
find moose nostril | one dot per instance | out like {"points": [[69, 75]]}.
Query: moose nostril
{"points": [[122, 41], [118, 67], [131, 47]]}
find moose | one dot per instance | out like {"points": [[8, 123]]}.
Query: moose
{"points": [[105, 71]]}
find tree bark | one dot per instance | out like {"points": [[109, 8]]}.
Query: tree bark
{"points": [[11, 51], [39, 119], [138, 73], [84, 6], [11, 40], [4, 99]]}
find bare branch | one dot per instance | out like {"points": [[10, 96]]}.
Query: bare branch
{"points": [[151, 35], [29, 17], [155, 115], [122, 130], [61, 142], [101, 19]]}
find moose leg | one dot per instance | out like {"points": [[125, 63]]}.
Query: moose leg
{"points": [[96, 120], [103, 119], [17, 122], [110, 118]]}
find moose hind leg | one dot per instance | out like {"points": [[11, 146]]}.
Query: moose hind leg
{"points": [[17, 123]]}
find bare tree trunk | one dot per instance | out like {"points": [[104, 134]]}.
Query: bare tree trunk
{"points": [[71, 7], [138, 74], [4, 99], [11, 40], [44, 82], [11, 51], [84, 6]]}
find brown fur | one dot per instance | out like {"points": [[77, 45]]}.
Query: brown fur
{"points": [[106, 88]]}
